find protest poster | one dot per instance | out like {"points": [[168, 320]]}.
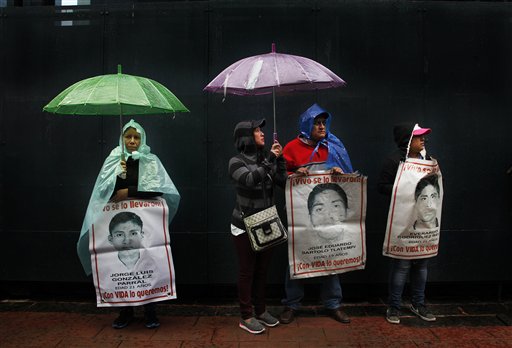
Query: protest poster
{"points": [[414, 218], [326, 224], [131, 255]]}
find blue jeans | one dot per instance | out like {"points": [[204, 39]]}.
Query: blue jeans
{"points": [[330, 293], [398, 271]]}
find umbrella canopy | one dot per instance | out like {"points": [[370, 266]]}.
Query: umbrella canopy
{"points": [[115, 94], [273, 72]]}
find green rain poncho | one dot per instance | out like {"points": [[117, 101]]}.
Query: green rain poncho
{"points": [[152, 178]]}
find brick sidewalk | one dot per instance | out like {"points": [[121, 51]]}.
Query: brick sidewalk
{"points": [[35, 325]]}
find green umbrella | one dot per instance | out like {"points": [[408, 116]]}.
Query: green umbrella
{"points": [[115, 94]]}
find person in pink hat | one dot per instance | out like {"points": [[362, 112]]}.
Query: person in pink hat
{"points": [[410, 139]]}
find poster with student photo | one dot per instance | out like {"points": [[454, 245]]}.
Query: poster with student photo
{"points": [[131, 255], [414, 218], [326, 224]]}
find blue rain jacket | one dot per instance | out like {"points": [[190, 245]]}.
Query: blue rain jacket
{"points": [[338, 155]]}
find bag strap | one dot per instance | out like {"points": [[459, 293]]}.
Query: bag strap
{"points": [[272, 199], [265, 198]]}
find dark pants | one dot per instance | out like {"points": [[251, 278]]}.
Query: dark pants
{"points": [[149, 308], [252, 276]]}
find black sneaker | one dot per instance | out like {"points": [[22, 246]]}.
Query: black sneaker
{"points": [[267, 319], [423, 312], [393, 315], [150, 320], [124, 318]]}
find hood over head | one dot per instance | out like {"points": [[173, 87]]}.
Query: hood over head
{"points": [[307, 119], [338, 155], [403, 133], [243, 135], [143, 148]]}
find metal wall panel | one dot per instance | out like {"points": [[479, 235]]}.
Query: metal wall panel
{"points": [[443, 64]]}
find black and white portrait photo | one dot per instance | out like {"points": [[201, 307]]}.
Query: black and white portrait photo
{"points": [[327, 208], [326, 224], [126, 235], [426, 197]]}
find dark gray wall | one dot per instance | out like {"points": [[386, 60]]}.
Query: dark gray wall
{"points": [[446, 65]]}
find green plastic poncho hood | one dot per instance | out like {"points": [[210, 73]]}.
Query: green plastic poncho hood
{"points": [[152, 178]]}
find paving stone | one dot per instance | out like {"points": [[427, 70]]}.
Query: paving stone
{"points": [[270, 344], [150, 344], [233, 333], [297, 334], [82, 342], [467, 333], [492, 343], [504, 332]]}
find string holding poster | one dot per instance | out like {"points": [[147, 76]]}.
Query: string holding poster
{"points": [[414, 218], [131, 254], [326, 223]]}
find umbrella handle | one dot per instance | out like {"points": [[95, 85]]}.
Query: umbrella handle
{"points": [[123, 174], [274, 109]]}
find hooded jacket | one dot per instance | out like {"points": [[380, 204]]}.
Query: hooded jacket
{"points": [[325, 154], [254, 173], [402, 134], [152, 177]]}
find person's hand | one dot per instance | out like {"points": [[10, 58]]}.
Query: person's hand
{"points": [[123, 165], [276, 149], [120, 195], [302, 171], [336, 170]]}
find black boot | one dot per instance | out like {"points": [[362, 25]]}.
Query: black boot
{"points": [[124, 318], [150, 318]]}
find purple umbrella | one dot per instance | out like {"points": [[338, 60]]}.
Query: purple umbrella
{"points": [[273, 72]]}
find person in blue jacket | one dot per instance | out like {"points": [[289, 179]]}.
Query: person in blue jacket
{"points": [[315, 149]]}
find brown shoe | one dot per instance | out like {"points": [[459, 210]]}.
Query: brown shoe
{"points": [[339, 315], [287, 316]]}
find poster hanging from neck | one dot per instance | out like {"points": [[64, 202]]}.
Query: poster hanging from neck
{"points": [[326, 223], [414, 219], [131, 254]]}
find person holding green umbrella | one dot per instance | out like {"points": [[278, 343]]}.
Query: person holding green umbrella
{"points": [[145, 177], [131, 170]]}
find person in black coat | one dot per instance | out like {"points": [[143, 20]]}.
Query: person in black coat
{"points": [[254, 173], [411, 144], [402, 135]]}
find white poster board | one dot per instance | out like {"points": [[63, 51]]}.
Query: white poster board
{"points": [[131, 254], [326, 224], [414, 218]]}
